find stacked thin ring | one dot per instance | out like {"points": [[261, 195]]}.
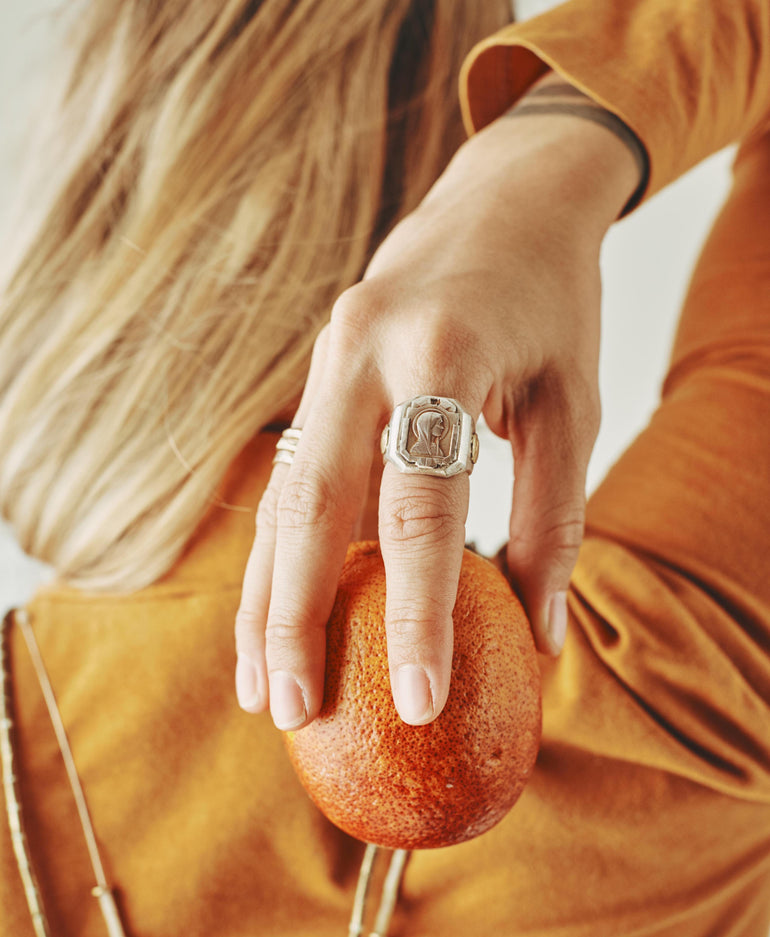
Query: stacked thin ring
{"points": [[287, 445]]}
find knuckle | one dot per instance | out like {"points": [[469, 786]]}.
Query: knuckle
{"points": [[288, 636], [283, 632], [353, 327], [346, 309], [418, 629], [416, 518], [246, 619], [450, 349], [566, 535], [355, 308], [561, 538], [305, 502]]}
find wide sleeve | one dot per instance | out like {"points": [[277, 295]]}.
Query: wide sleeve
{"points": [[688, 77]]}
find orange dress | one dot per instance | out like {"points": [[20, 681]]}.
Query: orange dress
{"points": [[649, 809]]}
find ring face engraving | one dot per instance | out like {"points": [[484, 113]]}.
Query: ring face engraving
{"points": [[430, 435], [429, 427]]}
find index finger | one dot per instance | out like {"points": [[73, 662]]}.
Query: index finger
{"points": [[317, 508]]}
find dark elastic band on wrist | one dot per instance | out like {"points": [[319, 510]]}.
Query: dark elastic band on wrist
{"points": [[606, 119]]}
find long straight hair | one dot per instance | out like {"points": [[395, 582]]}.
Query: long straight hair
{"points": [[221, 170]]}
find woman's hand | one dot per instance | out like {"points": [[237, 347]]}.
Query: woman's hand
{"points": [[487, 293]]}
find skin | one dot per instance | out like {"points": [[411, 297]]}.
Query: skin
{"points": [[489, 293]]}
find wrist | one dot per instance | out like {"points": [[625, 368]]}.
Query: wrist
{"points": [[587, 171]]}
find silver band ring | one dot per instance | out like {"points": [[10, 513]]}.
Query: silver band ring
{"points": [[431, 436], [287, 445]]}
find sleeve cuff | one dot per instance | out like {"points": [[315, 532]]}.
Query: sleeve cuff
{"points": [[500, 69]]}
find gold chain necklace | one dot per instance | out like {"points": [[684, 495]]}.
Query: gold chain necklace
{"points": [[101, 890]]}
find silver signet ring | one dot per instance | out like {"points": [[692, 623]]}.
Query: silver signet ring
{"points": [[431, 436]]}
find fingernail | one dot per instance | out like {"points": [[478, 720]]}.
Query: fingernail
{"points": [[557, 621], [412, 694], [287, 704], [247, 688]]}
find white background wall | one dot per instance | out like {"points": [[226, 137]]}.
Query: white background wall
{"points": [[646, 263]]}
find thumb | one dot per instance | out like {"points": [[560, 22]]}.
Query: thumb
{"points": [[547, 519]]}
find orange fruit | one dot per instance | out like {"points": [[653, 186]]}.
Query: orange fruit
{"points": [[415, 787]]}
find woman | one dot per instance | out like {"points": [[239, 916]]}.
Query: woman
{"points": [[647, 813]]}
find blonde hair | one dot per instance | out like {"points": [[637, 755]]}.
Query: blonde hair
{"points": [[224, 171]]}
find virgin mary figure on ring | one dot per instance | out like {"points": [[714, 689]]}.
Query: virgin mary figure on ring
{"points": [[429, 427]]}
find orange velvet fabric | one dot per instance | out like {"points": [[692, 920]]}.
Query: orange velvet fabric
{"points": [[649, 809]]}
